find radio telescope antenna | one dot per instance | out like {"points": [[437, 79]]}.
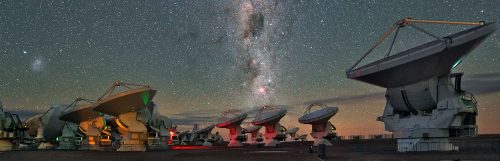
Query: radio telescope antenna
{"points": [[322, 129], [424, 106], [269, 117]]}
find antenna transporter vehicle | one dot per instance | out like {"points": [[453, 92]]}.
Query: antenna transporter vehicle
{"points": [[425, 102]]}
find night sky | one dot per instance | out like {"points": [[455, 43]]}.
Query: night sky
{"points": [[205, 57]]}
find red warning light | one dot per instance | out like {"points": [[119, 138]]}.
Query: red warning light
{"points": [[188, 147]]}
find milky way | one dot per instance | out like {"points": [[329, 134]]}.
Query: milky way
{"points": [[258, 21]]}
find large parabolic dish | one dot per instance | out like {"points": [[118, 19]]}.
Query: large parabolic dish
{"points": [[126, 101], [80, 114], [230, 119], [269, 115], [201, 136], [33, 123], [49, 121], [205, 130], [420, 63], [76, 113], [292, 130], [252, 129], [320, 115]]}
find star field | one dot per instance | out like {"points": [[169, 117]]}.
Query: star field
{"points": [[192, 52]]}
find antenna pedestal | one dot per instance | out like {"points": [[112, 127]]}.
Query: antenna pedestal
{"points": [[254, 135], [44, 145], [164, 136], [155, 141], [320, 131], [253, 138], [205, 139], [67, 140], [91, 141], [184, 139], [235, 137], [165, 133], [273, 135], [290, 137], [161, 137], [291, 134], [425, 114], [158, 137], [134, 133]]}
